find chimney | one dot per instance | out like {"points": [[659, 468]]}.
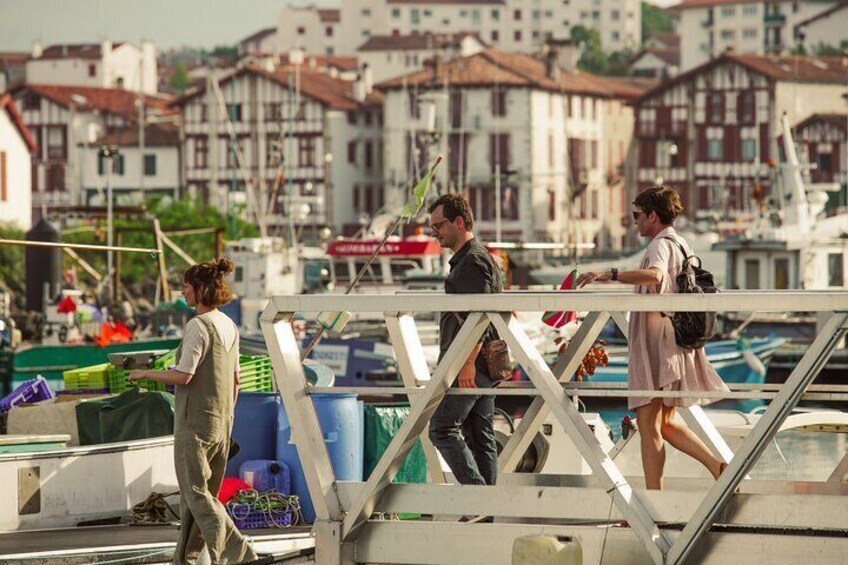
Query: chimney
{"points": [[37, 50], [552, 70], [438, 67], [367, 78], [359, 91]]}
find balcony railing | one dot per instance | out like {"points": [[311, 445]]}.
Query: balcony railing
{"points": [[774, 18]]}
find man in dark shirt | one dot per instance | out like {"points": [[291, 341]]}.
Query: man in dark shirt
{"points": [[461, 428]]}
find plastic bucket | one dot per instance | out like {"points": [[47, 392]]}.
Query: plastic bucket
{"points": [[254, 429], [341, 420]]}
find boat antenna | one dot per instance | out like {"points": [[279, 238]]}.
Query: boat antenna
{"points": [[337, 320]]}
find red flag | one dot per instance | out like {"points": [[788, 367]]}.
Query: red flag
{"points": [[559, 319]]}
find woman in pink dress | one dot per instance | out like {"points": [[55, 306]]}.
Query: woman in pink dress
{"points": [[656, 362]]}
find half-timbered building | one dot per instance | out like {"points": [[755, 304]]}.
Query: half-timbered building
{"points": [[711, 131], [823, 144], [308, 145]]}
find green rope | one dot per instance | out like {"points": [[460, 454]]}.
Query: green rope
{"points": [[272, 504]]}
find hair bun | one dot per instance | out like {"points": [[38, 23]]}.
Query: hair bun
{"points": [[224, 266]]}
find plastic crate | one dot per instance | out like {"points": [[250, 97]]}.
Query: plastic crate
{"points": [[82, 391], [93, 377], [118, 382], [257, 520], [34, 390]]}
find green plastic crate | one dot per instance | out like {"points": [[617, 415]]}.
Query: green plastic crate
{"points": [[118, 381], [93, 377]]}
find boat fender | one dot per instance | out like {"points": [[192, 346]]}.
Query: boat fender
{"points": [[751, 358]]}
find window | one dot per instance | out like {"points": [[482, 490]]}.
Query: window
{"points": [[647, 121], [749, 9], [835, 270], [369, 155], [750, 33], [204, 113], [752, 274], [428, 13], [781, 274], [728, 34], [32, 101], [306, 151], [273, 153], [495, 35], [499, 103], [351, 152], [3, 186], [201, 152], [749, 149], [239, 274], [118, 165], [396, 13], [516, 15], [328, 31], [728, 11], [92, 70], [366, 12], [715, 149], [499, 150], [615, 15], [537, 14], [273, 111], [57, 142], [301, 30], [55, 176], [456, 108], [517, 35], [351, 118], [234, 112], [715, 108], [747, 109], [615, 36], [551, 205], [414, 111], [150, 165], [232, 153], [496, 15], [415, 15], [329, 51]]}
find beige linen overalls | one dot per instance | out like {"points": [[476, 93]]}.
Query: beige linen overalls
{"points": [[203, 420]]}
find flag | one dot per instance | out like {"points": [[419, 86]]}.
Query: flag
{"points": [[559, 319], [419, 192]]}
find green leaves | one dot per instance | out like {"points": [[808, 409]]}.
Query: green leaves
{"points": [[419, 192]]}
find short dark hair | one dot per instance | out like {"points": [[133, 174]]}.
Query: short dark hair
{"points": [[207, 279], [662, 200], [455, 205]]}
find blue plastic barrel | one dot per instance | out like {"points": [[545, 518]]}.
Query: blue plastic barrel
{"points": [[340, 417], [264, 475], [254, 428]]}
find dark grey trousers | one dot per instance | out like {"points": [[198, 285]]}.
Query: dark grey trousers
{"points": [[462, 431]]}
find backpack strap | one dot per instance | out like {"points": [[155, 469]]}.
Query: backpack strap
{"points": [[680, 246]]}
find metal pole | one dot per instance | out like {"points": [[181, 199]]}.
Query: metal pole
{"points": [[497, 200], [109, 234], [78, 246]]}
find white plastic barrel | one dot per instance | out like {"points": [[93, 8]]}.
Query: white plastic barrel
{"points": [[546, 550]]}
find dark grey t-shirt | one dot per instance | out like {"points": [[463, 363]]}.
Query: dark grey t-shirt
{"points": [[473, 271]]}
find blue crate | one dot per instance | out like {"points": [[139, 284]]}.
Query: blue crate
{"points": [[34, 390], [257, 520]]}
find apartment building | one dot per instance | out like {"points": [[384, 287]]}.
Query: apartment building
{"points": [[759, 27], [119, 65], [304, 146], [711, 131], [511, 25], [522, 138]]}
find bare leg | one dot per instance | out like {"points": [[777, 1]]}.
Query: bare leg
{"points": [[649, 421], [683, 439]]}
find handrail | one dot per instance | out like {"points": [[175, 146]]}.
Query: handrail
{"points": [[583, 300]]}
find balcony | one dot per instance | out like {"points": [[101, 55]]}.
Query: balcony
{"points": [[775, 18], [708, 21]]}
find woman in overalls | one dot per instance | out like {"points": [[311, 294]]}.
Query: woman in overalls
{"points": [[205, 386]]}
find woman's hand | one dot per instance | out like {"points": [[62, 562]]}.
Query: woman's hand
{"points": [[136, 376], [590, 277]]}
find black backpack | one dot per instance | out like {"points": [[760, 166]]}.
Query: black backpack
{"points": [[692, 330]]}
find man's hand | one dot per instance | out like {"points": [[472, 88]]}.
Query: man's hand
{"points": [[590, 277], [466, 376]]}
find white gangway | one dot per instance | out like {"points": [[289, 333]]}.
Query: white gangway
{"points": [[692, 521]]}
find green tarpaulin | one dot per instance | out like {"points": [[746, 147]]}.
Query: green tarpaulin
{"points": [[133, 414], [382, 421]]}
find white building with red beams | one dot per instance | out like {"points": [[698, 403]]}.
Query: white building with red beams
{"points": [[16, 149], [758, 27], [512, 25], [311, 147], [63, 120], [545, 129], [711, 131], [822, 141]]}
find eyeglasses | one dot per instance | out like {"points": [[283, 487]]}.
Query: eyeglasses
{"points": [[438, 225], [636, 214]]}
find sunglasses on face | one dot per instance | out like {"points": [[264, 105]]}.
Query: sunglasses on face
{"points": [[636, 214]]}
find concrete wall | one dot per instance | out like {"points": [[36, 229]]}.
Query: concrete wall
{"points": [[17, 208]]}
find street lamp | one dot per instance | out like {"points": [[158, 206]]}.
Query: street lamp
{"points": [[109, 152]]}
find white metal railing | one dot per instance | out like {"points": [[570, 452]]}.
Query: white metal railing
{"points": [[343, 520]]}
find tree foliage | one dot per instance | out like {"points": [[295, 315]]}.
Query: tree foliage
{"points": [[654, 20], [179, 80], [11, 260]]}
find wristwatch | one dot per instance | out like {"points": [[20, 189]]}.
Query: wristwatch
{"points": [[613, 274]]}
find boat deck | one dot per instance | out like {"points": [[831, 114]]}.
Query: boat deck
{"points": [[126, 544]]}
